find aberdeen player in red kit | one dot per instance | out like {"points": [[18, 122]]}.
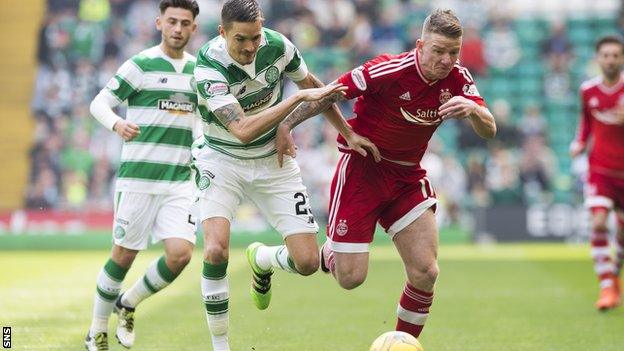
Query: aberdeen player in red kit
{"points": [[602, 118], [401, 101]]}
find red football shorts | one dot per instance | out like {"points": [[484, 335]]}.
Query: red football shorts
{"points": [[364, 192], [602, 191]]}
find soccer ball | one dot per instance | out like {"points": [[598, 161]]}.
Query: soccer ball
{"points": [[396, 341]]}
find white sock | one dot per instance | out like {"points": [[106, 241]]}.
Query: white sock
{"points": [[216, 295], [156, 277], [220, 342], [108, 286], [275, 256]]}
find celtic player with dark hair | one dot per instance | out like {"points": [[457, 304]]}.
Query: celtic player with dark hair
{"points": [[240, 78], [154, 191]]}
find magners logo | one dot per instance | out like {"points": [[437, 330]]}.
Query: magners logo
{"points": [[177, 103], [261, 101]]}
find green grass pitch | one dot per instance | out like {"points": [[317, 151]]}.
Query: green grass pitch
{"points": [[506, 297]]}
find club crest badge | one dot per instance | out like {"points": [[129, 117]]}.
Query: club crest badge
{"points": [[342, 228], [271, 75], [445, 95]]}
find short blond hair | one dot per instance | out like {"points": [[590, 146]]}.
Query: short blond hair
{"points": [[443, 22]]}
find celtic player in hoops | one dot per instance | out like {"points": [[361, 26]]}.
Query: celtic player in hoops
{"points": [[154, 191], [240, 77]]}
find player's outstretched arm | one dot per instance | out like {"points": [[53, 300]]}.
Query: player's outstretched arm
{"points": [[247, 128], [102, 109], [480, 117], [310, 109], [327, 106], [329, 109]]}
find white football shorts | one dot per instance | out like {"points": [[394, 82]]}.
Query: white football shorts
{"points": [[279, 193], [139, 216]]}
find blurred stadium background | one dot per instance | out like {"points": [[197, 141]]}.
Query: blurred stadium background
{"points": [[528, 58]]}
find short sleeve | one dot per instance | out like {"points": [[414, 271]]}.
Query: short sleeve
{"points": [[126, 82], [296, 69], [468, 87], [367, 78], [584, 127], [213, 88]]}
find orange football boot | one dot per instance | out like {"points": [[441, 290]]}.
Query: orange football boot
{"points": [[609, 296]]}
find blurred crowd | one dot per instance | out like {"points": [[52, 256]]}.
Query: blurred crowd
{"points": [[83, 42]]}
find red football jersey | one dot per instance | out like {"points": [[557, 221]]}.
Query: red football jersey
{"points": [[397, 107], [598, 120]]}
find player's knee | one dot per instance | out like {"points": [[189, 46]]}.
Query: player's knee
{"points": [[307, 266], [123, 257], [215, 253], [425, 275], [180, 258], [350, 280], [599, 220], [600, 227], [433, 272], [128, 257]]}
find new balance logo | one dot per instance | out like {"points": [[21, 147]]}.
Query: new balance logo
{"points": [[406, 96]]}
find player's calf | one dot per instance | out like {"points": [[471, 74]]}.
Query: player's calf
{"points": [[413, 310], [158, 276], [178, 260], [423, 277], [308, 263]]}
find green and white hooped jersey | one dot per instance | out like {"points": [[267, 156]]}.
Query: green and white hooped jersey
{"points": [[161, 97], [256, 87]]}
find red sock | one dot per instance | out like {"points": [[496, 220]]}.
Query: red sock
{"points": [[603, 265], [413, 310]]}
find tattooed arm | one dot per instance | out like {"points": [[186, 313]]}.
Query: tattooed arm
{"points": [[247, 128], [312, 108], [284, 142]]}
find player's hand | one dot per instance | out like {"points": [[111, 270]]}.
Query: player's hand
{"points": [[457, 107], [315, 94], [619, 114], [361, 144], [576, 149], [126, 130], [284, 144]]}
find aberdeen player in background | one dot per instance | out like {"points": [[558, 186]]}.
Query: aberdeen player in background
{"points": [[402, 99], [602, 118]]}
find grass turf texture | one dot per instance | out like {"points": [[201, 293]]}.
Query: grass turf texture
{"points": [[505, 297], [102, 239]]}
